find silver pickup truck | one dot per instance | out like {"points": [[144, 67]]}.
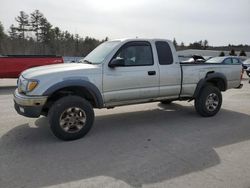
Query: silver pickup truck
{"points": [[120, 72]]}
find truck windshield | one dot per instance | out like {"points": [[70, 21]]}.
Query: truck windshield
{"points": [[100, 53]]}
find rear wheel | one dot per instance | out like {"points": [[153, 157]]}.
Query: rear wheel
{"points": [[71, 118], [208, 103]]}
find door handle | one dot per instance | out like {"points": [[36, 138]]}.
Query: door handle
{"points": [[151, 73]]}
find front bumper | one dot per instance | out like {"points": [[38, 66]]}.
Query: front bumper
{"points": [[29, 106]]}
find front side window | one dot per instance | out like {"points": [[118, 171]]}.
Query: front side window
{"points": [[136, 54], [228, 61]]}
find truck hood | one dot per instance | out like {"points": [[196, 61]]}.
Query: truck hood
{"points": [[69, 69]]}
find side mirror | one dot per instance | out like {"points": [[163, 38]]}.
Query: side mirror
{"points": [[117, 63]]}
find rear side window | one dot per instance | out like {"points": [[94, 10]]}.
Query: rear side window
{"points": [[164, 52]]}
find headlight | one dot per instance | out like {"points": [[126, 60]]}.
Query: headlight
{"points": [[32, 85], [26, 85]]}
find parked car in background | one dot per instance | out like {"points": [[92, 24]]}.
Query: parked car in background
{"points": [[11, 66], [246, 66], [225, 60], [229, 60]]}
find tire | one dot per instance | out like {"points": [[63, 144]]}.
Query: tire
{"points": [[71, 118], [209, 101], [166, 101]]}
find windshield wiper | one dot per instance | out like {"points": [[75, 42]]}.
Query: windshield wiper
{"points": [[87, 61]]}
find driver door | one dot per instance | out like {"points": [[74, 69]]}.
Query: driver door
{"points": [[136, 80]]}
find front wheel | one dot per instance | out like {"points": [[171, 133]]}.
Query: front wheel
{"points": [[208, 103], [71, 118]]}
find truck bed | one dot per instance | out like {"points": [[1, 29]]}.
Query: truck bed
{"points": [[192, 73]]}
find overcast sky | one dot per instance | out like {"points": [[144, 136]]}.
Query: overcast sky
{"points": [[219, 21]]}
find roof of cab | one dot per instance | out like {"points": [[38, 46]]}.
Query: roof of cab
{"points": [[140, 39]]}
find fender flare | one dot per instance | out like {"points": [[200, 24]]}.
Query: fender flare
{"points": [[94, 91], [209, 77]]}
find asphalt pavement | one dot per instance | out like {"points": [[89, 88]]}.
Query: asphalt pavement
{"points": [[146, 145]]}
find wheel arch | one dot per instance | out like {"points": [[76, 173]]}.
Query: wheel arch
{"points": [[80, 88], [216, 79]]}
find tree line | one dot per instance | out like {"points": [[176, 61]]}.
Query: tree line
{"points": [[204, 45], [33, 34]]}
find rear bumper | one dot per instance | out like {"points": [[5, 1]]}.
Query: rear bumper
{"points": [[29, 106]]}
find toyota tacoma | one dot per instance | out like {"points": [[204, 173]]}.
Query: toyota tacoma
{"points": [[116, 73]]}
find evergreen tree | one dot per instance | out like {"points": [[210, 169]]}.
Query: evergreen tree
{"points": [[23, 24], [35, 21], [106, 39], [175, 43], [13, 32], [196, 45], [77, 43], [222, 54], [45, 27], [205, 44], [57, 32], [2, 34], [232, 53], [57, 39], [2, 37], [242, 53]]}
